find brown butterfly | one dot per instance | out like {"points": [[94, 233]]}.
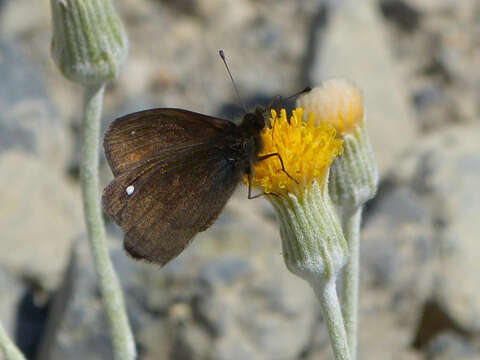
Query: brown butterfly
{"points": [[174, 172]]}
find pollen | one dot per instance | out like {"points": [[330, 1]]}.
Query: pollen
{"points": [[306, 149], [337, 102]]}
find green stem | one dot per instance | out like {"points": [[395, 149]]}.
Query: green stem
{"points": [[350, 279], [123, 342], [9, 349], [327, 295]]}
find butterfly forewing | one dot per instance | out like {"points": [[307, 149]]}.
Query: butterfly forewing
{"points": [[131, 138], [174, 185]]}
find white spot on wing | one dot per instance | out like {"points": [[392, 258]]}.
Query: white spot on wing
{"points": [[129, 190], [133, 132]]}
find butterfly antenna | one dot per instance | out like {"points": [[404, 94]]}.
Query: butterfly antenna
{"points": [[306, 90], [281, 99], [222, 55]]}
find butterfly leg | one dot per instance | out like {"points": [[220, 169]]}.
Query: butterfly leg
{"points": [[250, 197], [264, 157], [250, 180]]}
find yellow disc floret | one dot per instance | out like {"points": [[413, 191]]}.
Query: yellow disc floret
{"points": [[337, 102], [306, 149]]}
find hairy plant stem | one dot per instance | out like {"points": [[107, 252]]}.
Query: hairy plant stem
{"points": [[122, 338], [351, 226], [327, 295], [9, 349]]}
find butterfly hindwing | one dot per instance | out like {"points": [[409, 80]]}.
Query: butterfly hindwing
{"points": [[173, 199]]}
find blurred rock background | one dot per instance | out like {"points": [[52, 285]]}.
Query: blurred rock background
{"points": [[229, 296]]}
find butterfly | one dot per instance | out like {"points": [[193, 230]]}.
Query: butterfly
{"points": [[174, 171]]}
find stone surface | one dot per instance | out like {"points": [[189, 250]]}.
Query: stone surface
{"points": [[12, 292], [439, 55], [445, 168], [40, 212], [354, 47], [227, 296], [398, 252], [187, 71], [84, 332], [23, 310], [449, 345], [382, 338]]}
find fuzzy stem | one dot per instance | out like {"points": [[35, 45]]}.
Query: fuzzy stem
{"points": [[351, 273], [123, 342], [327, 295], [9, 349]]}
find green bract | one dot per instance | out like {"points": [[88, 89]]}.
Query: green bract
{"points": [[89, 41]]}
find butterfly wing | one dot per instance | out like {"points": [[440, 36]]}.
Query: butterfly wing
{"points": [[131, 138], [179, 188]]}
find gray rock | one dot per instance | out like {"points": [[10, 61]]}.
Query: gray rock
{"points": [[450, 345], [41, 212], [398, 247], [77, 325], [354, 47], [227, 296], [242, 29], [224, 271], [438, 56], [10, 296], [444, 171], [427, 97], [382, 334], [402, 13], [24, 308]]}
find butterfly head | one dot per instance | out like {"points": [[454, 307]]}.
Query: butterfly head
{"points": [[254, 122]]}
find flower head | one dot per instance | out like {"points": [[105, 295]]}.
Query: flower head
{"points": [[353, 176], [306, 150], [314, 247]]}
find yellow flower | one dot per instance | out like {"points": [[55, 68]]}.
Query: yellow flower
{"points": [[313, 244], [306, 150]]}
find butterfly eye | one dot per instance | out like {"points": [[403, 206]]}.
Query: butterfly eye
{"points": [[129, 190]]}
